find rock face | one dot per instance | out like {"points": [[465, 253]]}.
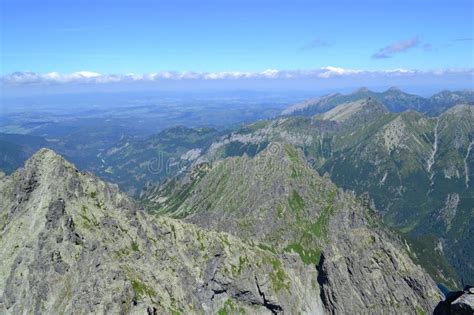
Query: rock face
{"points": [[276, 200], [461, 302], [72, 244]]}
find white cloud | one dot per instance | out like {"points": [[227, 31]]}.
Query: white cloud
{"points": [[25, 78], [335, 71], [85, 74], [270, 73]]}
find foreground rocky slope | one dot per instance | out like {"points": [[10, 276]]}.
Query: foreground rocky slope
{"points": [[70, 243], [276, 200]]}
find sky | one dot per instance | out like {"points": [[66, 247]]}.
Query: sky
{"points": [[103, 42]]}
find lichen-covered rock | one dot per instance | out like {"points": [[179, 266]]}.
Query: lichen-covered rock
{"points": [[72, 244]]}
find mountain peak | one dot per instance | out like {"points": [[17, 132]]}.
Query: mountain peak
{"points": [[46, 154], [45, 160], [286, 205]]}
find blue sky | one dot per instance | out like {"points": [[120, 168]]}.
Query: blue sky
{"points": [[120, 37]]}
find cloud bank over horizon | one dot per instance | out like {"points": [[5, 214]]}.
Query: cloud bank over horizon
{"points": [[320, 80], [90, 77]]}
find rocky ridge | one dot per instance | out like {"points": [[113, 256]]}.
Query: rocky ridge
{"points": [[73, 244], [276, 200]]}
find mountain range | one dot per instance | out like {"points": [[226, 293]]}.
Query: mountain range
{"points": [[131, 160], [79, 245], [394, 99], [414, 169], [71, 243], [350, 203]]}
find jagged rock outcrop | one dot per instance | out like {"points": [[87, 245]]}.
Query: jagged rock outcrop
{"points": [[275, 199], [457, 303], [72, 244]]}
